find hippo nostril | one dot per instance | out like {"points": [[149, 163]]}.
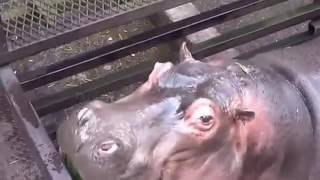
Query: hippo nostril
{"points": [[83, 116], [109, 147], [82, 113]]}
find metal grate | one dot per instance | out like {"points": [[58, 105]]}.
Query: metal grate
{"points": [[28, 21]]}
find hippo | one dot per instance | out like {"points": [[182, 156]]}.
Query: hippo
{"points": [[253, 119]]}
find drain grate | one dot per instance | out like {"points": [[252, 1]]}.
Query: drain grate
{"points": [[29, 21]]}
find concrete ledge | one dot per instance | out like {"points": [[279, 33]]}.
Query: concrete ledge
{"points": [[185, 11]]}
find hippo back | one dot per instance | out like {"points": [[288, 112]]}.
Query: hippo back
{"points": [[301, 66]]}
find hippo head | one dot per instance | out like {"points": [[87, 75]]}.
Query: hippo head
{"points": [[184, 123]]}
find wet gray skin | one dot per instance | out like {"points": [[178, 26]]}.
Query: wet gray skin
{"points": [[222, 120]]}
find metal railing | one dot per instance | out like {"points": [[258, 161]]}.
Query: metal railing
{"points": [[32, 26]]}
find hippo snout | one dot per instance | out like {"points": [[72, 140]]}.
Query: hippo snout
{"points": [[109, 147], [97, 142]]}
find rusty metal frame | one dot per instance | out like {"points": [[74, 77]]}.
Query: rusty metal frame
{"points": [[90, 90], [44, 152], [236, 37], [254, 31], [82, 31], [140, 42], [287, 42]]}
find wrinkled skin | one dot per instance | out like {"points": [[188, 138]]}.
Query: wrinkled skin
{"points": [[247, 120]]}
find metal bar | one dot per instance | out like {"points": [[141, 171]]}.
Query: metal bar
{"points": [[140, 42], [257, 30], [287, 42], [27, 120], [3, 39], [65, 99], [86, 30], [72, 96]]}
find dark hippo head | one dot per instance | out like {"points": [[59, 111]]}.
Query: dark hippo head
{"points": [[182, 124]]}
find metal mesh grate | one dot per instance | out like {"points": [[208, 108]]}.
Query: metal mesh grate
{"points": [[28, 21]]}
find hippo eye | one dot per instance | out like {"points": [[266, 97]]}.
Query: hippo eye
{"points": [[206, 119], [205, 122], [108, 147]]}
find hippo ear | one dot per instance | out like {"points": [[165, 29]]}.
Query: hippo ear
{"points": [[185, 54], [158, 70], [243, 115]]}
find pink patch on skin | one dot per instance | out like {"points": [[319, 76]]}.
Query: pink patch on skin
{"points": [[218, 62], [158, 70]]}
